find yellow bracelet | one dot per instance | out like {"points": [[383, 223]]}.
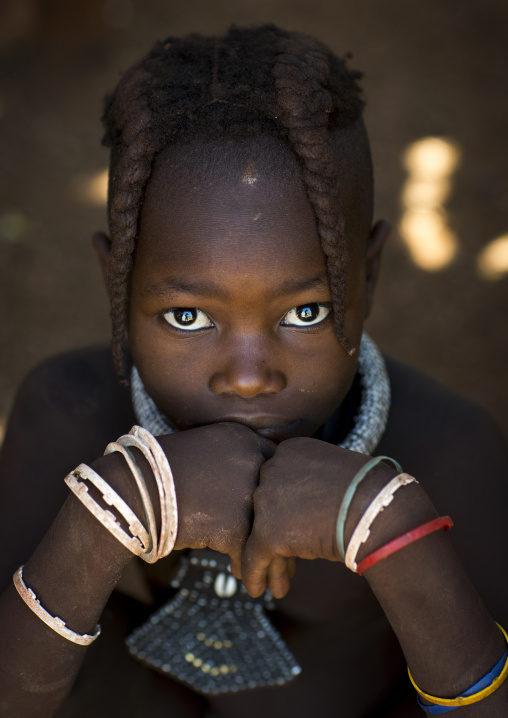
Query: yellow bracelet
{"points": [[467, 700]]}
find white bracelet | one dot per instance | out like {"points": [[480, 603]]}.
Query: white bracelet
{"points": [[55, 623], [165, 484], [142, 542], [139, 541], [362, 530], [150, 554]]}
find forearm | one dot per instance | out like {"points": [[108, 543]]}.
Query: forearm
{"points": [[72, 572], [448, 637]]}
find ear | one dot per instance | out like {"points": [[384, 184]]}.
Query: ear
{"points": [[375, 245], [102, 245]]}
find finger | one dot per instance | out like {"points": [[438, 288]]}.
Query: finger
{"points": [[236, 568], [279, 579], [255, 579], [254, 570], [267, 447]]}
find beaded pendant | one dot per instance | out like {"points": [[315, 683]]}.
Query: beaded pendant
{"points": [[212, 635]]}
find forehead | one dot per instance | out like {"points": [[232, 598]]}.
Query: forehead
{"points": [[243, 200]]}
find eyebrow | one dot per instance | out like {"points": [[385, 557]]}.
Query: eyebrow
{"points": [[178, 285]]}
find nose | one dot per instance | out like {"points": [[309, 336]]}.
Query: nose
{"points": [[247, 370]]}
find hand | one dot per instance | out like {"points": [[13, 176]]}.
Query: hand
{"points": [[296, 506], [216, 471]]}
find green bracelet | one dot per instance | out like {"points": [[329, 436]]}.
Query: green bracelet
{"points": [[350, 492]]}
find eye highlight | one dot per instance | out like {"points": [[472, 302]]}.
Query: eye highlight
{"points": [[187, 319], [306, 315]]}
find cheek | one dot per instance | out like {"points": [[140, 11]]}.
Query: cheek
{"points": [[323, 379], [175, 372], [172, 373]]}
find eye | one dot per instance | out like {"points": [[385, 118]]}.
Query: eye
{"points": [[188, 319], [306, 315]]}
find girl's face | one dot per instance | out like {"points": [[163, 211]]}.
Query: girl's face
{"points": [[230, 307]]}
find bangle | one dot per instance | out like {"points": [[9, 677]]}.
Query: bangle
{"points": [[152, 451], [443, 522], [139, 541], [350, 492], [55, 623], [150, 554], [494, 679], [362, 530]]}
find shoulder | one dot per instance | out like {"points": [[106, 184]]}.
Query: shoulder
{"points": [[78, 389], [427, 421], [66, 411]]}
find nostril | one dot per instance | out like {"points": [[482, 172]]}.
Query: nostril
{"points": [[248, 384]]}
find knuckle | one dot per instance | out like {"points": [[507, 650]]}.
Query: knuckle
{"points": [[237, 432], [262, 500]]}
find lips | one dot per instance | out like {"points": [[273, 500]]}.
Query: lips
{"points": [[274, 428]]}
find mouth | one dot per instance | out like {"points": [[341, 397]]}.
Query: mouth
{"points": [[273, 428]]}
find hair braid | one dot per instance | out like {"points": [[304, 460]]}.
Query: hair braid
{"points": [[302, 77], [127, 183], [133, 118], [251, 82]]}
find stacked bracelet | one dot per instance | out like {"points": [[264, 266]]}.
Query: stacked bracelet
{"points": [[165, 483], [443, 522], [142, 541], [55, 623], [480, 690], [139, 540], [350, 492], [150, 554], [362, 530]]}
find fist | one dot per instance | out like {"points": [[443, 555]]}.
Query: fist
{"points": [[295, 509], [216, 471]]}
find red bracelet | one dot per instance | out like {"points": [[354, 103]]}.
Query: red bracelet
{"points": [[443, 522]]}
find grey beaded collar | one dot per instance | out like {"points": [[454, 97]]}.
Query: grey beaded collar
{"points": [[369, 423]]}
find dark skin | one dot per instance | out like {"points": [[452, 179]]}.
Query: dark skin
{"points": [[257, 487]]}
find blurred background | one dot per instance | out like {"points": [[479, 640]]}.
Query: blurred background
{"points": [[437, 113]]}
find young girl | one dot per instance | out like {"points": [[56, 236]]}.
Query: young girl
{"points": [[241, 265]]}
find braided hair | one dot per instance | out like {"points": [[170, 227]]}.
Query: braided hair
{"points": [[250, 83]]}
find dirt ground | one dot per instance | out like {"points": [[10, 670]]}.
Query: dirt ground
{"points": [[432, 69]]}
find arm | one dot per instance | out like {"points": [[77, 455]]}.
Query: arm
{"points": [[448, 637], [72, 571], [73, 567], [76, 564]]}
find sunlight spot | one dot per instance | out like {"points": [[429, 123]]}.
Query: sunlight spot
{"points": [[92, 189], [422, 193], [424, 224], [433, 244], [492, 261], [432, 157]]}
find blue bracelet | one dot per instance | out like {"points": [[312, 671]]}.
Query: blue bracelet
{"points": [[350, 492], [480, 686]]}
